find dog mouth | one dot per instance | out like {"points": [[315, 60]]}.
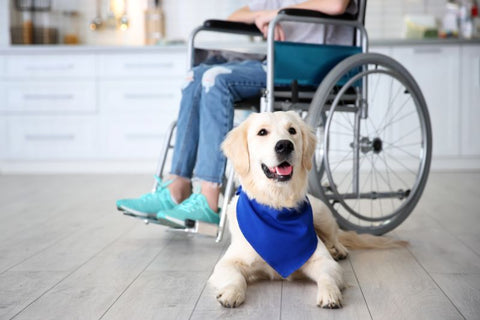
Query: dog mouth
{"points": [[282, 172]]}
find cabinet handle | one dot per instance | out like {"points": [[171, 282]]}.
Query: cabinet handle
{"points": [[38, 96], [148, 65], [50, 67], [135, 96], [427, 50], [49, 137]]}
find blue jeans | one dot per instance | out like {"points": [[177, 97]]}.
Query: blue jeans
{"points": [[206, 115]]}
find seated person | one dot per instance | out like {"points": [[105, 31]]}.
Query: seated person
{"points": [[206, 113]]}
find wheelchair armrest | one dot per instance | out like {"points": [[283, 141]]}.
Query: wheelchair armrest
{"points": [[316, 14], [231, 27]]}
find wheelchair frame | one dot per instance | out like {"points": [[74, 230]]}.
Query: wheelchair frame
{"points": [[267, 104]]}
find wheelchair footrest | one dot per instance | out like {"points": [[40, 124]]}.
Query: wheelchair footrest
{"points": [[201, 227], [190, 226]]}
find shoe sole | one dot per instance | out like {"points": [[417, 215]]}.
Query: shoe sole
{"points": [[131, 212], [150, 217]]}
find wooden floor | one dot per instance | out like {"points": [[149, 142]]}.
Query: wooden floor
{"points": [[65, 253]]}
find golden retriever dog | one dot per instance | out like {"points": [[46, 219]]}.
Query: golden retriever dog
{"points": [[272, 154]]}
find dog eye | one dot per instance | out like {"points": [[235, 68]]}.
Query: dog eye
{"points": [[262, 132], [292, 130]]}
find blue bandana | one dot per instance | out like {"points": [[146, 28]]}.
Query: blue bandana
{"points": [[284, 238]]}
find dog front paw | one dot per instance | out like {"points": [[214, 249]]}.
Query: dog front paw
{"points": [[329, 298], [338, 252], [231, 296]]}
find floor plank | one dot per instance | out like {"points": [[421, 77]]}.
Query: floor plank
{"points": [[93, 288], [298, 300], [160, 295], [395, 286], [65, 253], [463, 290], [262, 301]]}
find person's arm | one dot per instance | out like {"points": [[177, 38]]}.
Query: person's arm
{"points": [[244, 14], [262, 18], [331, 7]]}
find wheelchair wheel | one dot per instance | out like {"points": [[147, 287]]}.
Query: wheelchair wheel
{"points": [[377, 143]]}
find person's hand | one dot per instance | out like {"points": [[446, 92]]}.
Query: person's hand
{"points": [[263, 19]]}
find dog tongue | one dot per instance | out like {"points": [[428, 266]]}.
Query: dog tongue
{"points": [[284, 171]]}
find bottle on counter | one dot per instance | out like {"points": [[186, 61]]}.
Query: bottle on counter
{"points": [[154, 23], [450, 21], [23, 34], [465, 17], [70, 27]]}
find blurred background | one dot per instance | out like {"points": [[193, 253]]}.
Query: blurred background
{"points": [[91, 85]]}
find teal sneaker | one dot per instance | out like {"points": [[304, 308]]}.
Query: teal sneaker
{"points": [[193, 208], [148, 204]]}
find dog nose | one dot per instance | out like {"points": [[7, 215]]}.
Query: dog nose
{"points": [[284, 147]]}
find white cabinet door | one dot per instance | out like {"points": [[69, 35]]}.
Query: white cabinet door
{"points": [[51, 138], [152, 98], [470, 129], [132, 137], [47, 96], [436, 69], [128, 66]]}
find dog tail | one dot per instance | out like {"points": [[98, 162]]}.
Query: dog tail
{"points": [[353, 240]]}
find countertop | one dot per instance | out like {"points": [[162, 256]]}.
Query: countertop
{"points": [[254, 47]]}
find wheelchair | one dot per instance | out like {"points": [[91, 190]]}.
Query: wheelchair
{"points": [[373, 129]]}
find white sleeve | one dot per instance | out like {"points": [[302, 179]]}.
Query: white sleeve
{"points": [[256, 5]]}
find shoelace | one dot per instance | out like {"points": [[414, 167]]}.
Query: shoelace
{"points": [[160, 184], [193, 203], [160, 187]]}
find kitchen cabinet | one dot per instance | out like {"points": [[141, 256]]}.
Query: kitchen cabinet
{"points": [[436, 70], [87, 106], [51, 137], [107, 109], [51, 66], [48, 97], [470, 100]]}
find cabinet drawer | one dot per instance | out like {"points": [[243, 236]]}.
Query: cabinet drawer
{"points": [[46, 138], [154, 98], [48, 96], [50, 66], [133, 137], [165, 66]]}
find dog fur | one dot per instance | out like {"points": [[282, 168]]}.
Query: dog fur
{"points": [[247, 148]]}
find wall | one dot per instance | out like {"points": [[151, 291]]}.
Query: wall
{"points": [[181, 17], [4, 21], [384, 17]]}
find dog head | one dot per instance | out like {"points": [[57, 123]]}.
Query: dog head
{"points": [[272, 154]]}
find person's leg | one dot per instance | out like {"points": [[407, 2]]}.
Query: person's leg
{"points": [[169, 194], [222, 86], [186, 140]]}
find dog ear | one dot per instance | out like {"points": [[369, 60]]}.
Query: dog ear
{"points": [[235, 148], [309, 143]]}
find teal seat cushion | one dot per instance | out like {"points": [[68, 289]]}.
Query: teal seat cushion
{"points": [[307, 63]]}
